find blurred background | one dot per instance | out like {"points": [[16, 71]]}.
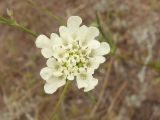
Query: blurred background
{"points": [[129, 81]]}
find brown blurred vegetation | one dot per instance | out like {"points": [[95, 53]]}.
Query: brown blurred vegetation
{"points": [[129, 81]]}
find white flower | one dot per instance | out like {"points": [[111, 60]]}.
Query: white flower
{"points": [[74, 54]]}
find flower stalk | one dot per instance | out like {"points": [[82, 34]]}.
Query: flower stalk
{"points": [[13, 22], [61, 99]]}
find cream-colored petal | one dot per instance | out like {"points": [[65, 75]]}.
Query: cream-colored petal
{"points": [[47, 52], [81, 83], [92, 33], [94, 44], [63, 31], [103, 49], [57, 73], [91, 70], [42, 41], [51, 87], [91, 84], [82, 78], [66, 35], [46, 73], [51, 62], [53, 78], [73, 23], [70, 77], [93, 63], [60, 53], [56, 40], [56, 66], [82, 32], [101, 59]]}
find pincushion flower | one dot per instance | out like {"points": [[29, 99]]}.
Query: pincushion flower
{"points": [[74, 54]]}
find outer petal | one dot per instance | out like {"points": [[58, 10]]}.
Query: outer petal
{"points": [[73, 23], [94, 44], [91, 84], [66, 35], [55, 66], [93, 63], [82, 78], [103, 49], [81, 83], [57, 73], [56, 40], [47, 52], [63, 31], [42, 41], [46, 73], [70, 77], [92, 33], [60, 53], [100, 59], [82, 32], [51, 87], [51, 62]]}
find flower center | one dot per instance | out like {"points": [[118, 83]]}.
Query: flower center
{"points": [[73, 58]]}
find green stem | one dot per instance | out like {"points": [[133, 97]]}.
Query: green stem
{"points": [[24, 29], [12, 22], [62, 96]]}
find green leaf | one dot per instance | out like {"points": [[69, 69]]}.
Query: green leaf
{"points": [[106, 36], [155, 65]]}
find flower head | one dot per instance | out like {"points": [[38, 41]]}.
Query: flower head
{"points": [[74, 54]]}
